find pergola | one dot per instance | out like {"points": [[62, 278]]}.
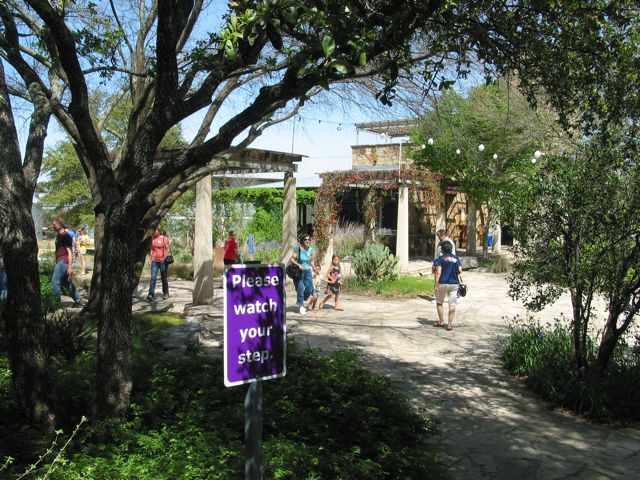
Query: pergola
{"points": [[243, 161]]}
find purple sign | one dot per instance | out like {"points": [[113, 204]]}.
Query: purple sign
{"points": [[254, 323]]}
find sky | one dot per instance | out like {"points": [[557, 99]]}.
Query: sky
{"points": [[325, 141], [323, 133]]}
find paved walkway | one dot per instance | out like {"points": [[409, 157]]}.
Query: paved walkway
{"points": [[492, 426]]}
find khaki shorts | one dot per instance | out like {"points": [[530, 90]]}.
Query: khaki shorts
{"points": [[450, 291]]}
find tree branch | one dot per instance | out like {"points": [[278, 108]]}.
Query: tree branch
{"points": [[119, 23], [78, 109]]}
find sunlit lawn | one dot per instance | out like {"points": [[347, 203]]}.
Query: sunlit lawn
{"points": [[402, 287]]}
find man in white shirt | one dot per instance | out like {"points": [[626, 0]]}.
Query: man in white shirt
{"points": [[442, 236]]}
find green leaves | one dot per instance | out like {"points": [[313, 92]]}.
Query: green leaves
{"points": [[375, 262], [340, 65], [328, 45]]}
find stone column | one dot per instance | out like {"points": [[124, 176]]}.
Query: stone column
{"points": [[402, 229], [496, 246], [203, 247], [441, 221], [289, 217], [328, 254]]}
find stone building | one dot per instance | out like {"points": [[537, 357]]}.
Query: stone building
{"points": [[412, 219]]}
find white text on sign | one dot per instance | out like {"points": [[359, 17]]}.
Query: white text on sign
{"points": [[250, 281]]}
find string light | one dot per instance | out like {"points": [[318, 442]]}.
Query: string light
{"points": [[537, 154]]}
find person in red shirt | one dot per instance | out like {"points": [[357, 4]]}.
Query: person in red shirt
{"points": [[231, 249], [64, 264], [159, 251]]}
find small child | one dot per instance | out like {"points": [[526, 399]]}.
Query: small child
{"points": [[317, 279], [333, 278]]}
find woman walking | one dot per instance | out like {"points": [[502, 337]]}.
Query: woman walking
{"points": [[448, 268], [304, 257], [159, 251], [83, 242]]}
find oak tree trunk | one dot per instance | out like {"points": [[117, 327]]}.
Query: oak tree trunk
{"points": [[578, 348], [24, 323], [114, 359], [611, 334]]}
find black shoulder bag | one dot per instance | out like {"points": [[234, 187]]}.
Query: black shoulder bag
{"points": [[292, 270], [462, 287]]}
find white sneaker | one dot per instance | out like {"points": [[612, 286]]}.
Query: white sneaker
{"points": [[303, 310]]}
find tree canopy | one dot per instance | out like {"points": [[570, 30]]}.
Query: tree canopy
{"points": [[577, 224], [485, 141]]}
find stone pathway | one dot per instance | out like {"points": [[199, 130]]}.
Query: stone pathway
{"points": [[492, 426]]}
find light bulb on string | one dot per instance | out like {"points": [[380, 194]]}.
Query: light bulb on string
{"points": [[481, 147]]}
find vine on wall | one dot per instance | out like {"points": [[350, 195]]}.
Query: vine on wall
{"points": [[384, 182]]}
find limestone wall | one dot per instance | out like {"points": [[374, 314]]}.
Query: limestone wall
{"points": [[375, 155]]}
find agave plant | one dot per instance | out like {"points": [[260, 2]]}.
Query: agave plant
{"points": [[375, 262]]}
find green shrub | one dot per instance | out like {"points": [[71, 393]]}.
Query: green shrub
{"points": [[68, 334], [268, 252], [46, 263], [50, 303], [185, 257], [543, 356], [328, 418], [266, 225], [375, 262]]}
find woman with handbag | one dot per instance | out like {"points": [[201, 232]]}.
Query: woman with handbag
{"points": [[448, 267], [160, 250], [304, 257]]}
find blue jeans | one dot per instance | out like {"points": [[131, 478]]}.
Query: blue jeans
{"points": [[304, 287], [3, 285], [61, 278], [155, 266]]}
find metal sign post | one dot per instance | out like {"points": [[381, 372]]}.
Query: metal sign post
{"points": [[253, 432], [254, 344]]}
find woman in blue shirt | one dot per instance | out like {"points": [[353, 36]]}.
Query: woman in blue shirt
{"points": [[304, 256], [448, 267]]}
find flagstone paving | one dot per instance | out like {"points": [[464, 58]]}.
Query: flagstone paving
{"points": [[491, 425]]}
